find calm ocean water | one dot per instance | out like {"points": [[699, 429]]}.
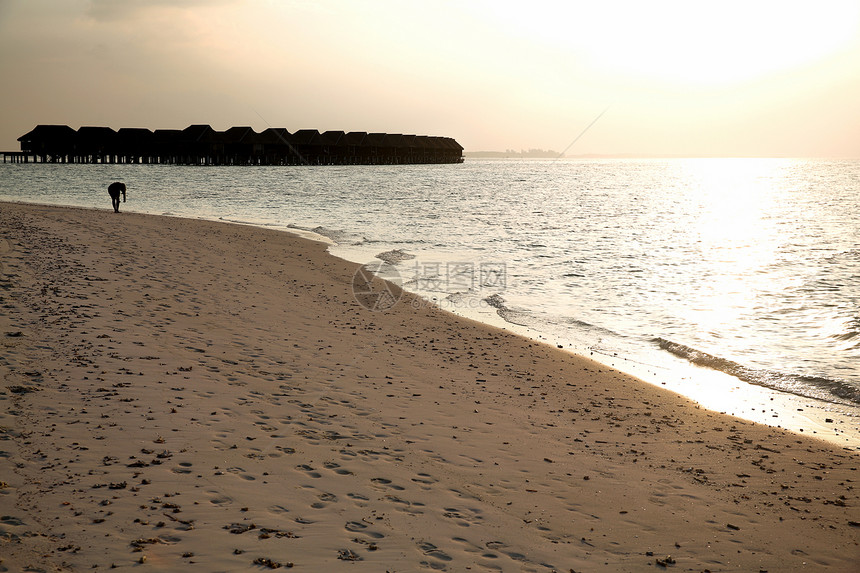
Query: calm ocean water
{"points": [[746, 266]]}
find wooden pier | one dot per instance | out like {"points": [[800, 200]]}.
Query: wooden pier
{"points": [[202, 145], [17, 156]]}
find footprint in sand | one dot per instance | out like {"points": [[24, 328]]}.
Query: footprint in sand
{"points": [[324, 500], [406, 506], [431, 550], [309, 471], [502, 548], [386, 483], [335, 467], [361, 527], [463, 517], [425, 479], [359, 499], [241, 473], [184, 468], [470, 547], [220, 499]]}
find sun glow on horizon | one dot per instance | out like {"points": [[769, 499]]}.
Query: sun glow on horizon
{"points": [[688, 43], [727, 78]]}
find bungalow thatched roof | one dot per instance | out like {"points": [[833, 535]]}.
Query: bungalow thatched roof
{"points": [[199, 133], [374, 139], [392, 140], [134, 133], [355, 137], [452, 143], [275, 136], [307, 137], [49, 133], [167, 135], [239, 135], [333, 138], [90, 134]]}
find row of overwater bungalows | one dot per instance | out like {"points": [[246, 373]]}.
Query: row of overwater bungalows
{"points": [[202, 145]]}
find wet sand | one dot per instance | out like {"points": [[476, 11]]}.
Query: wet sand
{"points": [[183, 394]]}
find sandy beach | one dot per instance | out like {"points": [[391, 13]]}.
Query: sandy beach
{"points": [[191, 395]]}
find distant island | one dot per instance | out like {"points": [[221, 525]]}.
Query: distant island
{"points": [[549, 154], [511, 154], [202, 145]]}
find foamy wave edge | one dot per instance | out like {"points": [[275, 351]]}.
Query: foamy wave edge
{"points": [[820, 388]]}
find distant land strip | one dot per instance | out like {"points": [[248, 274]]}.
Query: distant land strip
{"points": [[202, 145], [510, 154]]}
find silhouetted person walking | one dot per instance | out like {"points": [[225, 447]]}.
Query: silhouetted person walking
{"points": [[115, 189]]}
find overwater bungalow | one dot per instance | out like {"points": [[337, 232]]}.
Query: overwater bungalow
{"points": [[201, 145]]}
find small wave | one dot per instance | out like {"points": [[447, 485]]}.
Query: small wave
{"points": [[395, 256], [366, 241], [845, 336], [586, 325], [852, 255], [509, 315], [820, 388], [848, 342], [496, 301], [542, 322], [850, 331], [333, 234], [243, 222]]}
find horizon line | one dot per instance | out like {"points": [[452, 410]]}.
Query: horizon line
{"points": [[548, 155]]}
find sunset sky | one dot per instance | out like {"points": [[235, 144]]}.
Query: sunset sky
{"points": [[706, 78]]}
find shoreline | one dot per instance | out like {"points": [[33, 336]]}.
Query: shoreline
{"points": [[717, 391], [836, 423], [190, 393], [628, 339]]}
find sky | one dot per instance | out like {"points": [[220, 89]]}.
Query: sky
{"points": [[705, 78]]}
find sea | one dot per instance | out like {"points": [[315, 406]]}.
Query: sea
{"points": [[731, 280]]}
